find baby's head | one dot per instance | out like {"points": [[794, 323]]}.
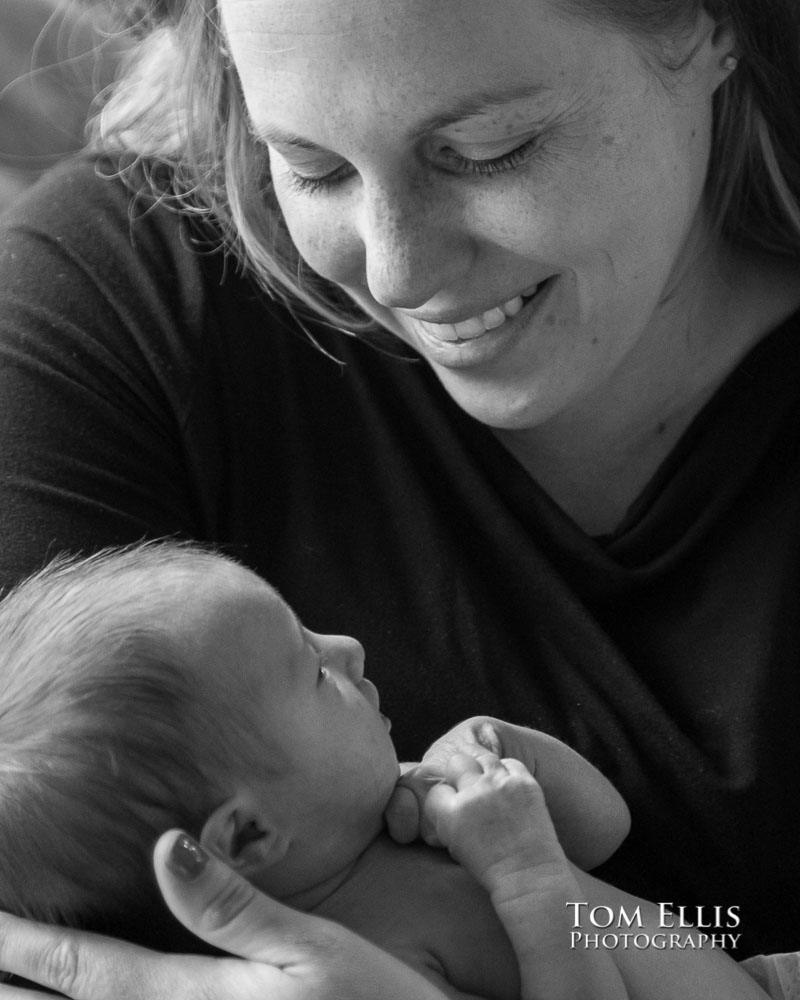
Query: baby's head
{"points": [[163, 685]]}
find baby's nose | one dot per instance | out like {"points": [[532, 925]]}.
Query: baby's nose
{"points": [[352, 653]]}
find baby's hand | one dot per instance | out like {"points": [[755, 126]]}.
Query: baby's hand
{"points": [[492, 817], [404, 814]]}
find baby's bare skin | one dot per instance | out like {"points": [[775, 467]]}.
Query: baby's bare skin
{"points": [[510, 830], [472, 926], [495, 925], [423, 908]]}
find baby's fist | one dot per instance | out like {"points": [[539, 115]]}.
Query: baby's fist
{"points": [[491, 815]]}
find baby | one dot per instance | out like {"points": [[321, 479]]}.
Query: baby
{"points": [[166, 686]]}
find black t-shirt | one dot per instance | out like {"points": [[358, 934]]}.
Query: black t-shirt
{"points": [[147, 390]]}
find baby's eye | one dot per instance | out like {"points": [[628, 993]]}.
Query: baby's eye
{"points": [[323, 671]]}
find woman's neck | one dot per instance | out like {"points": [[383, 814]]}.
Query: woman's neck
{"points": [[596, 459]]}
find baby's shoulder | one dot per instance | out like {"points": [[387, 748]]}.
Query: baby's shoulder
{"points": [[419, 905]]}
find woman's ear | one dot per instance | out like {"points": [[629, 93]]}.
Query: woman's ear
{"points": [[243, 836], [723, 57], [710, 50]]}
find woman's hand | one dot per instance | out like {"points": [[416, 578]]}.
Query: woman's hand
{"points": [[284, 955]]}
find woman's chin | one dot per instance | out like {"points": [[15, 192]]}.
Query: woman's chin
{"points": [[498, 405]]}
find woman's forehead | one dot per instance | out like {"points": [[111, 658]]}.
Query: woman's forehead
{"points": [[408, 58], [403, 30]]}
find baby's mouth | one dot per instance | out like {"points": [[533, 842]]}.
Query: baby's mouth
{"points": [[477, 326], [386, 721]]}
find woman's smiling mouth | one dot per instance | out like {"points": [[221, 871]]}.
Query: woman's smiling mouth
{"points": [[476, 326], [479, 339]]}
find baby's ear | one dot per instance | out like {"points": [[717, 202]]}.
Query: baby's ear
{"points": [[243, 836]]}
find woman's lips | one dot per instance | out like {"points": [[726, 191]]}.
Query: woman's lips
{"points": [[476, 326]]}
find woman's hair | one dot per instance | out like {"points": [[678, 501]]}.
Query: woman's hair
{"points": [[105, 740], [178, 108]]}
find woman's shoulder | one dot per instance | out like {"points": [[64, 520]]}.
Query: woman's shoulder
{"points": [[100, 211], [93, 236], [93, 269]]}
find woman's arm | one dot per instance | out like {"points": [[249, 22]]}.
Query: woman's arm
{"points": [[102, 328], [284, 955]]}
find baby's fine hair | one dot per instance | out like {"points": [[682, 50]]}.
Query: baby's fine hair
{"points": [[101, 732]]}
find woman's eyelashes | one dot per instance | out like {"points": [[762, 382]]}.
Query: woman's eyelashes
{"points": [[311, 185], [457, 162], [446, 158]]}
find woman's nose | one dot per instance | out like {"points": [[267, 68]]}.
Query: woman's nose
{"points": [[412, 249]]}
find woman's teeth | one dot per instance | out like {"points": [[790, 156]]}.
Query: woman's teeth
{"points": [[476, 326]]}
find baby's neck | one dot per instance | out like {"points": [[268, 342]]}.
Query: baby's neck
{"points": [[310, 897]]}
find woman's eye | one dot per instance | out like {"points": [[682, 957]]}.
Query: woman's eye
{"points": [[446, 156], [307, 184], [453, 160]]}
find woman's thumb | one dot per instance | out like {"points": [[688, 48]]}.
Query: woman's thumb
{"points": [[223, 909]]}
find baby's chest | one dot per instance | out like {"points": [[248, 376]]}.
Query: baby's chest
{"points": [[419, 906]]}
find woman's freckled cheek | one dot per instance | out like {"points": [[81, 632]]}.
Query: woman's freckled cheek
{"points": [[319, 242]]}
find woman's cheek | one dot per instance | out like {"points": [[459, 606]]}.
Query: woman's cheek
{"points": [[323, 237]]}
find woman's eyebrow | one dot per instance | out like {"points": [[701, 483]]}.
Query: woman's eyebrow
{"points": [[277, 137], [481, 103], [472, 106]]}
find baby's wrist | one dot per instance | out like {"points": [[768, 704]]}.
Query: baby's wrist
{"points": [[532, 906], [517, 877]]}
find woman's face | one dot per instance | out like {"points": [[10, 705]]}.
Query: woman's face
{"points": [[509, 190]]}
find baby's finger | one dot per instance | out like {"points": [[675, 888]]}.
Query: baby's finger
{"points": [[472, 736], [402, 815], [516, 767], [462, 769], [438, 805]]}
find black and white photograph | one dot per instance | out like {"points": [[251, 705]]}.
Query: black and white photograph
{"points": [[399, 499]]}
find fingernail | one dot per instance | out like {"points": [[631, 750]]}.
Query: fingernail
{"points": [[488, 739], [186, 859]]}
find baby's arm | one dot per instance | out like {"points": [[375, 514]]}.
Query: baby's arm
{"points": [[491, 815], [697, 972], [588, 813]]}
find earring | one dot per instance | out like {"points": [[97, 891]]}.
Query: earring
{"points": [[730, 63]]}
